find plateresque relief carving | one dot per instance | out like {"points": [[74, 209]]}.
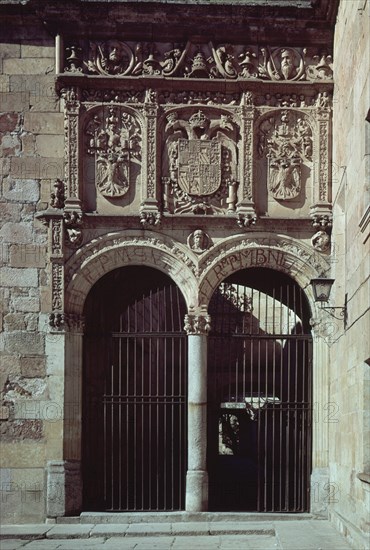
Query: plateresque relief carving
{"points": [[200, 163], [114, 141], [194, 60], [285, 139]]}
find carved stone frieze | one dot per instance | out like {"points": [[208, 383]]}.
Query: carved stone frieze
{"points": [[57, 286], [114, 140], [72, 108], [285, 139], [197, 324], [112, 95], [199, 60], [200, 162], [56, 237]]}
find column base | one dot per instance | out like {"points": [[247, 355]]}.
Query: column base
{"points": [[196, 491], [64, 488]]}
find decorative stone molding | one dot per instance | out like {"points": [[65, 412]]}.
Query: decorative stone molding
{"points": [[194, 60], [197, 324], [72, 106]]}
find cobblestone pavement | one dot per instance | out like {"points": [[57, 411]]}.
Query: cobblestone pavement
{"points": [[281, 535]]}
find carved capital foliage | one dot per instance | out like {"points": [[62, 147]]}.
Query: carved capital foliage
{"points": [[197, 324], [192, 60]]}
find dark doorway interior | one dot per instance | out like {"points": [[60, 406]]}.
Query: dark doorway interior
{"points": [[259, 394], [134, 393]]}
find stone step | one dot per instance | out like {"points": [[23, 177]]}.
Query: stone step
{"points": [[173, 517]]}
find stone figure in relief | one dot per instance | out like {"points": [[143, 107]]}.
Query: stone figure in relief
{"points": [[198, 241], [286, 141], [114, 140], [321, 241]]}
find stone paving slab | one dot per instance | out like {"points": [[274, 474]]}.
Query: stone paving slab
{"points": [[69, 531], [12, 544], [109, 530], [28, 531], [235, 528], [148, 529], [309, 535]]}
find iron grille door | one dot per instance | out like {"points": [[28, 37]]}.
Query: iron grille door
{"points": [[140, 447], [259, 401]]}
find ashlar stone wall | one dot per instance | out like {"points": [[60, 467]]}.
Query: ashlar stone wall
{"points": [[31, 137], [349, 427]]}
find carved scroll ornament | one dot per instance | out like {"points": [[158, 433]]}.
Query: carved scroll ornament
{"points": [[192, 60]]}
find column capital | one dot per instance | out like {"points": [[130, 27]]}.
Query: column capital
{"points": [[197, 324]]}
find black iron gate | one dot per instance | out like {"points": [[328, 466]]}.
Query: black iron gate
{"points": [[135, 406], [259, 397]]}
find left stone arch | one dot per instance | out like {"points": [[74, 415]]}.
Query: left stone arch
{"points": [[119, 249]]}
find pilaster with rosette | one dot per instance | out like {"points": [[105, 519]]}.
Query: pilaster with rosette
{"points": [[246, 208], [149, 212], [197, 324]]}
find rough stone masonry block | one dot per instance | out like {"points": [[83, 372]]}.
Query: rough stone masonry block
{"points": [[14, 101], [30, 65], [44, 123], [24, 343], [14, 321], [16, 233], [30, 168], [10, 212], [27, 304], [16, 277], [33, 366], [25, 190], [27, 255], [50, 146], [8, 122]]}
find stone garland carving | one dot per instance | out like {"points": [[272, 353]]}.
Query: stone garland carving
{"points": [[191, 60], [114, 139], [201, 160], [67, 321], [286, 141], [324, 221], [109, 95], [197, 324]]}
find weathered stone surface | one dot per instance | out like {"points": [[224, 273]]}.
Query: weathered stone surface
{"points": [[36, 167], [24, 343], [25, 303], [8, 122], [16, 233], [28, 143], [10, 50], [33, 366], [22, 190], [28, 66], [38, 49], [27, 255], [9, 212], [4, 412], [12, 276], [50, 146], [14, 321], [21, 430], [14, 101], [44, 123]]}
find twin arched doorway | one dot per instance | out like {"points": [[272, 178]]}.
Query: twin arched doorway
{"points": [[135, 393]]}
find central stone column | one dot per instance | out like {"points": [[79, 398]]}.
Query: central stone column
{"points": [[197, 327]]}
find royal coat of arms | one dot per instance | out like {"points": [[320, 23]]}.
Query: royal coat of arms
{"points": [[202, 163]]}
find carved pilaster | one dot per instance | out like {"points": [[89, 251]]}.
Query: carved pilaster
{"points": [[71, 137], [149, 203], [245, 207], [197, 324], [322, 190]]}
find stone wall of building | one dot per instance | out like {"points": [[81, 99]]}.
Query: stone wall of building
{"points": [[349, 418], [31, 136]]}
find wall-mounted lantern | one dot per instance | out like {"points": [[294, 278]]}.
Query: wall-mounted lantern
{"points": [[321, 287]]}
